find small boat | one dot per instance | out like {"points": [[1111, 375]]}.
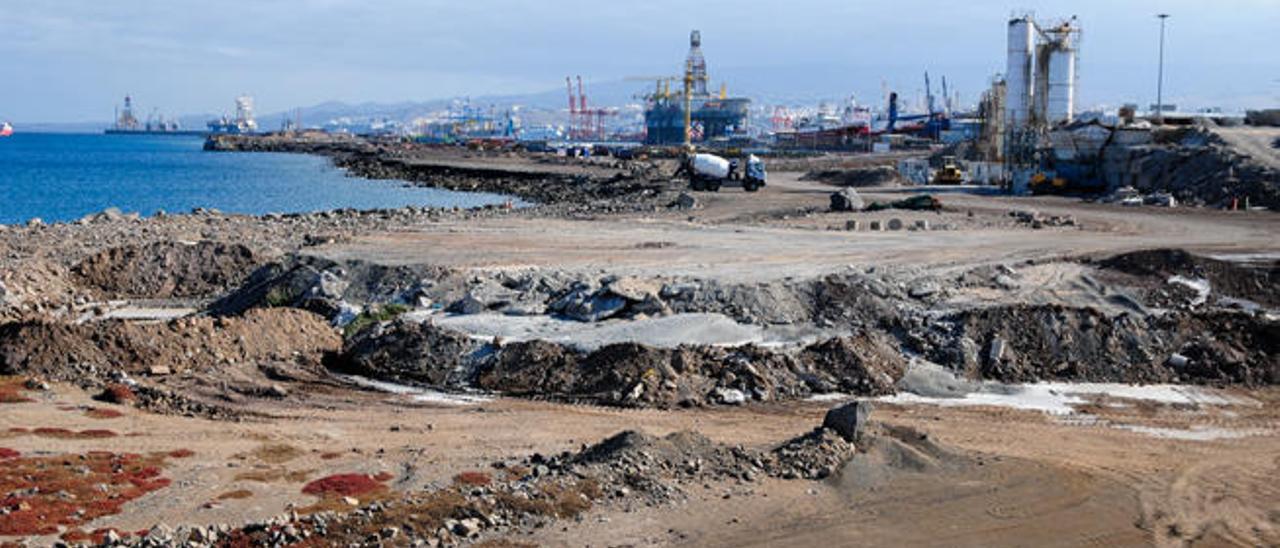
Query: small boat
{"points": [[6, 129]]}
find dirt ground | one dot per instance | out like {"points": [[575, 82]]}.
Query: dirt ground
{"points": [[1112, 471], [785, 231]]}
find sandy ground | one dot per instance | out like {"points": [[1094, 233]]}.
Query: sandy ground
{"points": [[785, 231]]}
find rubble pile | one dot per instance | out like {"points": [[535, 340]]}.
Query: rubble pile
{"points": [[856, 177], [1036, 220], [1257, 281], [624, 374], [1028, 343], [328, 287], [1196, 167]]}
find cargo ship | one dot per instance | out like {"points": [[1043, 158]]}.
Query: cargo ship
{"points": [[712, 118], [243, 122], [128, 124]]}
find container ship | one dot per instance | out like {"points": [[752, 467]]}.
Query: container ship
{"points": [[128, 124], [712, 118]]}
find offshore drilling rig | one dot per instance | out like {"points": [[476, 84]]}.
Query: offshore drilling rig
{"points": [[710, 118]]}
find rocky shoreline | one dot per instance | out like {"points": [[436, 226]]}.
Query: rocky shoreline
{"points": [[613, 186]]}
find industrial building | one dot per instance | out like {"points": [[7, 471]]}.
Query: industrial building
{"points": [[1038, 93]]}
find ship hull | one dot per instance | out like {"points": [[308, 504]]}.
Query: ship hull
{"points": [[187, 133], [712, 118]]}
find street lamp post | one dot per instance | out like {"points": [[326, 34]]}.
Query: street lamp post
{"points": [[1160, 74]]}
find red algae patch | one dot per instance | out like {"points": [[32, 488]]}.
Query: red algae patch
{"points": [[346, 485], [473, 478], [238, 494], [11, 389], [102, 413], [44, 493], [181, 453], [97, 537], [117, 393], [64, 434], [6, 453]]}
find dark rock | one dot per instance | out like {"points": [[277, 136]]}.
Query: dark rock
{"points": [[849, 419], [847, 199]]}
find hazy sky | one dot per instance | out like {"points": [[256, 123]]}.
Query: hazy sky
{"points": [[72, 60]]}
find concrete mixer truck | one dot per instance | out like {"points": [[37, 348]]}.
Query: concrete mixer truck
{"points": [[710, 172]]}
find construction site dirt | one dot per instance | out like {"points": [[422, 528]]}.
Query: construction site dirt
{"points": [[614, 360]]}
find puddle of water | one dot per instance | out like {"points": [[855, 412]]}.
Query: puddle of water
{"points": [[417, 394], [931, 384], [1195, 433]]}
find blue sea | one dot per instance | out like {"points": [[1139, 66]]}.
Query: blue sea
{"points": [[62, 177]]}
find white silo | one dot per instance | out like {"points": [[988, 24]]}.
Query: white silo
{"points": [[1060, 107], [1018, 73]]}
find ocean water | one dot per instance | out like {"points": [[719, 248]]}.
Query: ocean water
{"points": [[62, 177]]}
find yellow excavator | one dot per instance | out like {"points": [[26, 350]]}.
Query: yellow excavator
{"points": [[950, 172]]}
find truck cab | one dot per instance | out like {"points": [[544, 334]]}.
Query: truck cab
{"points": [[755, 176]]}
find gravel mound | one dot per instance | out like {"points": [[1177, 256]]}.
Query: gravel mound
{"points": [[1257, 281], [167, 269], [63, 351], [413, 351], [1027, 343]]}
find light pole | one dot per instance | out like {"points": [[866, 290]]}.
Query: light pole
{"points": [[1160, 74]]}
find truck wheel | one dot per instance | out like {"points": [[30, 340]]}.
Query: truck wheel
{"points": [[713, 187], [697, 185], [750, 186]]}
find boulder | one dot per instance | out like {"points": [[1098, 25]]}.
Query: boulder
{"points": [[847, 199], [328, 285], [632, 289], [685, 201], [468, 304], [849, 419], [730, 396]]}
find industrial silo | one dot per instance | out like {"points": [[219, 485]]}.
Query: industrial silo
{"points": [[1060, 106], [1018, 73]]}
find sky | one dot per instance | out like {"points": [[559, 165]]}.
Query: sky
{"points": [[73, 60]]}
